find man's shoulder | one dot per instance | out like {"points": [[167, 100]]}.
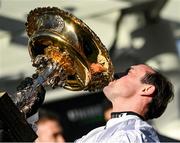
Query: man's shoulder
{"points": [[133, 123]]}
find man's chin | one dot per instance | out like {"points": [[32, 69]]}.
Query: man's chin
{"points": [[105, 90]]}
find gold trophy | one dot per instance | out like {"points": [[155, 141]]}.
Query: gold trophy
{"points": [[65, 53]]}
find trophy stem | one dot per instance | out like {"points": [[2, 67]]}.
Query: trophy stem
{"points": [[26, 97]]}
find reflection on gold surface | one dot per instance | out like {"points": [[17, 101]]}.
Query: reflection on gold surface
{"points": [[60, 57], [69, 43]]}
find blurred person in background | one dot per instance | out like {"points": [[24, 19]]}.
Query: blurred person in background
{"points": [[107, 109], [49, 128]]}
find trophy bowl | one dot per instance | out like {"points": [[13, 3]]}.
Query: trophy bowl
{"points": [[66, 52]]}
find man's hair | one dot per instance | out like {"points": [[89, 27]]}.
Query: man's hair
{"points": [[162, 95], [46, 115]]}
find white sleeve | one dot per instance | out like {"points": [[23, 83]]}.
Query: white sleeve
{"points": [[129, 138], [135, 136]]}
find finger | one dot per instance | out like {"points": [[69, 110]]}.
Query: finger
{"points": [[34, 76], [38, 101], [26, 82], [41, 90]]}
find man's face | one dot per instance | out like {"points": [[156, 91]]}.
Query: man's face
{"points": [[129, 84], [49, 131]]}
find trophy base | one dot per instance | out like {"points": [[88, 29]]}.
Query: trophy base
{"points": [[14, 120]]}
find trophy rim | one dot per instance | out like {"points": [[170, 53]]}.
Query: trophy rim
{"points": [[32, 28]]}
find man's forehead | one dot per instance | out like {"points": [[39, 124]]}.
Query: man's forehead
{"points": [[146, 68], [150, 69]]}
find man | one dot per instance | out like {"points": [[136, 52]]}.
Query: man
{"points": [[49, 128], [141, 94]]}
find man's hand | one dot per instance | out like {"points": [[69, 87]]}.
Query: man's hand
{"points": [[29, 103]]}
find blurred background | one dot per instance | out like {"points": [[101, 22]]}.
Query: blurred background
{"points": [[134, 31]]}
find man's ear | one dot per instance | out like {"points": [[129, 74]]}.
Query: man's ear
{"points": [[148, 90]]}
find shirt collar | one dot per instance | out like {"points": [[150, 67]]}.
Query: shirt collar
{"points": [[126, 113], [122, 118]]}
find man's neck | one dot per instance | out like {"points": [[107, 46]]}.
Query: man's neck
{"points": [[129, 105]]}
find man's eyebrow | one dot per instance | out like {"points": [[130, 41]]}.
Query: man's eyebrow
{"points": [[127, 70], [121, 74]]}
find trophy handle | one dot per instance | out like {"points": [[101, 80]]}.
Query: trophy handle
{"points": [[26, 97]]}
